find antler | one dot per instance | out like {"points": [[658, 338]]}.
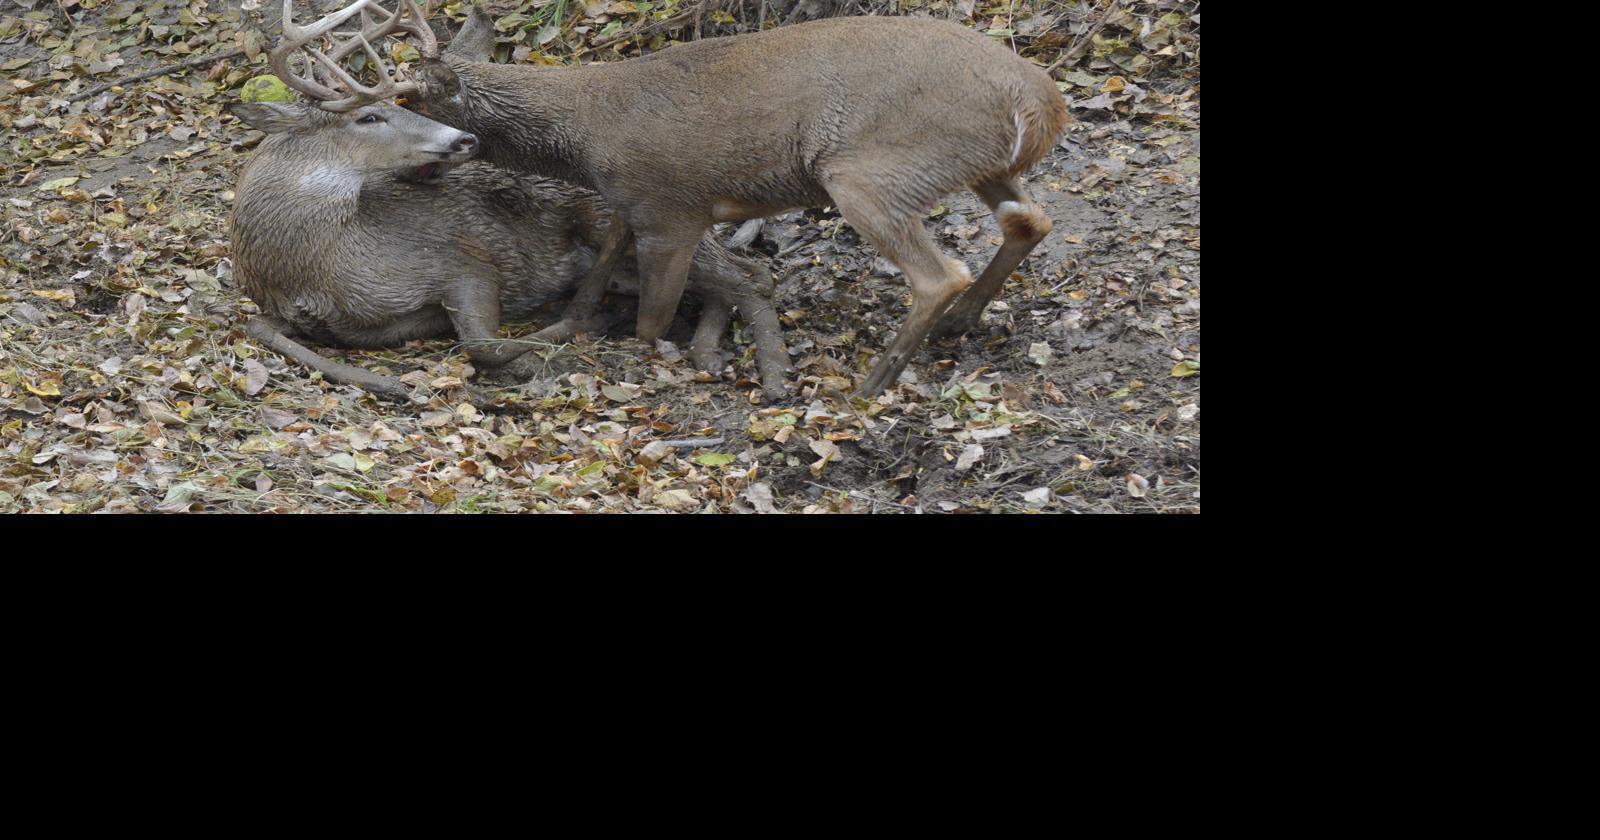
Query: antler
{"points": [[349, 93]]}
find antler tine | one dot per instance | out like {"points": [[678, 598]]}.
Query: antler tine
{"points": [[407, 17], [300, 35], [369, 30], [427, 44], [359, 94]]}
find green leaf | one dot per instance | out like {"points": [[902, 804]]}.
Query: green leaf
{"points": [[971, 391], [1186, 368], [714, 459], [178, 495]]}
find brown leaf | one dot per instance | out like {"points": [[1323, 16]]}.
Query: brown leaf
{"points": [[1138, 485], [759, 495], [255, 377]]}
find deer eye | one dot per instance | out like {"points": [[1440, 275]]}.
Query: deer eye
{"points": [[369, 119]]}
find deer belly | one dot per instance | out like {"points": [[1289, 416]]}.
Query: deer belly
{"points": [[539, 278], [734, 210]]}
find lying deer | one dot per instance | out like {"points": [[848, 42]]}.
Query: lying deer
{"points": [[879, 117], [352, 230]]}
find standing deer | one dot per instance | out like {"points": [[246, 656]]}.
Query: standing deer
{"points": [[879, 117], [368, 228]]}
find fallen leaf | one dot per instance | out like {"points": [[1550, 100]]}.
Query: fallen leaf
{"points": [[676, 500], [47, 388], [829, 452], [275, 418], [178, 497], [255, 377], [653, 453], [1138, 485], [759, 495], [66, 296]]}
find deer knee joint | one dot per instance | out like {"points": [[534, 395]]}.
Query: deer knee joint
{"points": [[960, 274], [1026, 222]]}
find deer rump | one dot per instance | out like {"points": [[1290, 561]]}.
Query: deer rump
{"points": [[377, 268]]}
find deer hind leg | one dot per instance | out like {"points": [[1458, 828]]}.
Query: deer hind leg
{"points": [[935, 278], [1024, 224], [273, 334], [727, 281]]}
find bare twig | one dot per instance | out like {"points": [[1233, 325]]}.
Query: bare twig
{"points": [[647, 29], [1074, 52], [159, 71], [695, 443], [862, 496]]}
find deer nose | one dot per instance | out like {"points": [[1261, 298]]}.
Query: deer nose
{"points": [[464, 143]]}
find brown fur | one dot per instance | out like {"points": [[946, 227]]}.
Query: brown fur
{"points": [[878, 116], [334, 242]]}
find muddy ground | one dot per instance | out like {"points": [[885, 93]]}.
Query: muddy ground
{"points": [[126, 382]]}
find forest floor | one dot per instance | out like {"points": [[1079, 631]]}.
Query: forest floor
{"points": [[127, 383]]}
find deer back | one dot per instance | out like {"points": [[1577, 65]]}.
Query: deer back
{"points": [[757, 118]]}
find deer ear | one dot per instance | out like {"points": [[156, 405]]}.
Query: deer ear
{"points": [[271, 117], [438, 80], [475, 41]]}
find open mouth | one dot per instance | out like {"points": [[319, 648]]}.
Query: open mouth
{"points": [[433, 172], [428, 173]]}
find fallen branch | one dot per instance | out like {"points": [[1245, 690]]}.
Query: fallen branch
{"points": [[159, 71]]}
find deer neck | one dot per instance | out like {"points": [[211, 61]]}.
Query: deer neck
{"points": [[306, 183], [293, 207], [527, 119]]}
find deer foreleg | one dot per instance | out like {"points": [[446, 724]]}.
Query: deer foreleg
{"points": [[663, 274], [583, 313]]}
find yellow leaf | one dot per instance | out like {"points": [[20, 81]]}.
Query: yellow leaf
{"points": [[47, 388], [65, 296]]}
